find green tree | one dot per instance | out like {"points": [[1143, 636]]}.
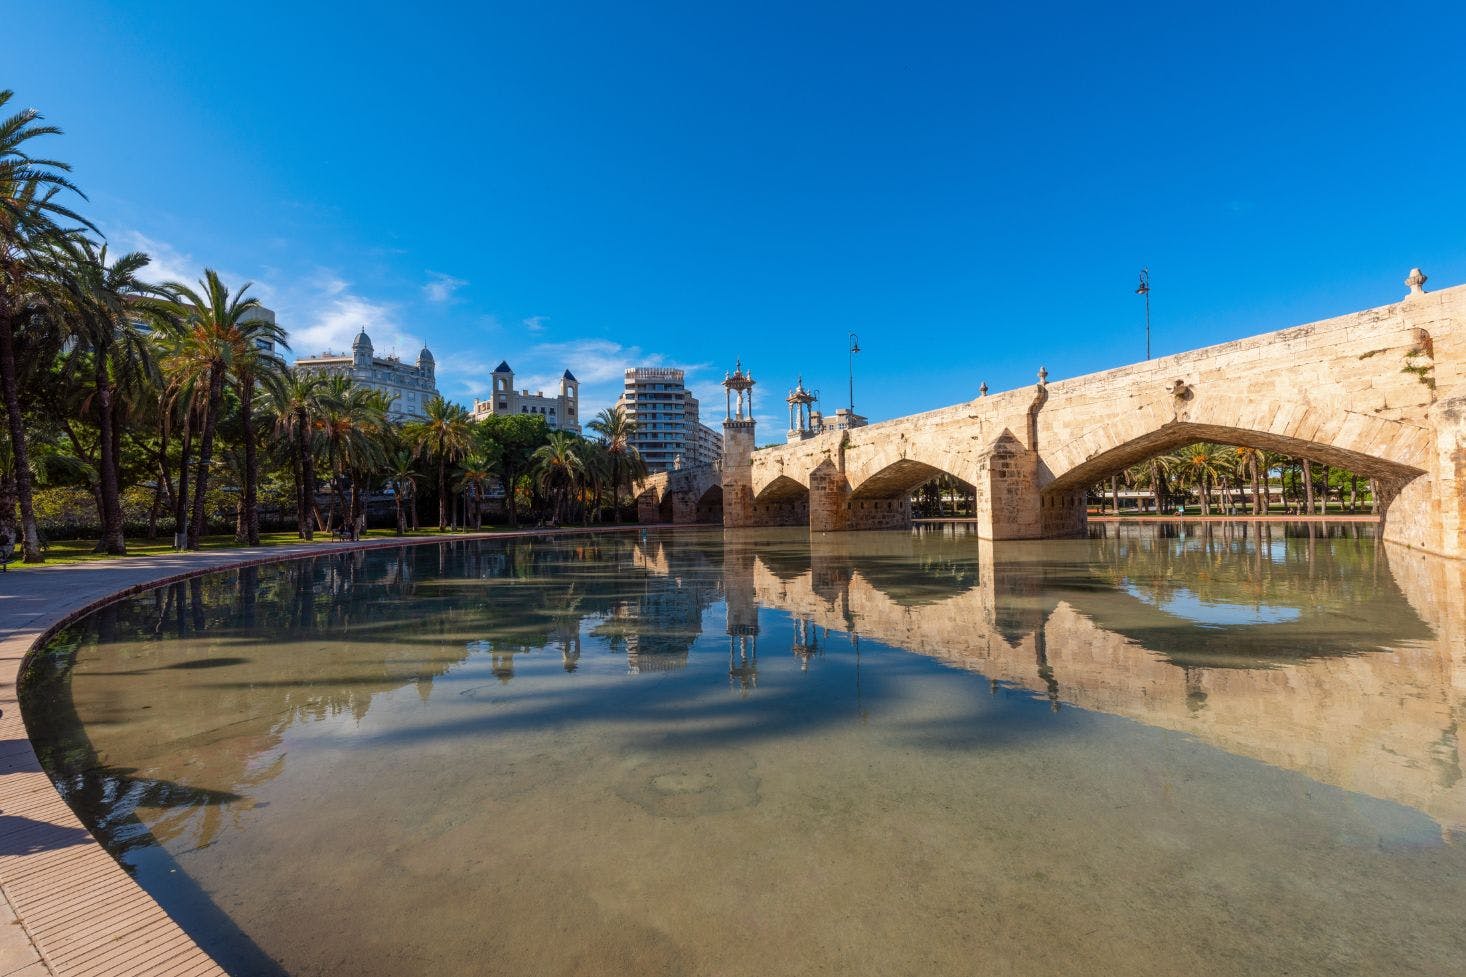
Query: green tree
{"points": [[473, 482], [110, 309], [1203, 465], [36, 231], [559, 470], [512, 439], [212, 319], [352, 424], [446, 434], [615, 428], [299, 403], [252, 364], [402, 475]]}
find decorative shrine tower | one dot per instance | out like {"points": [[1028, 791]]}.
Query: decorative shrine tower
{"points": [[738, 449]]}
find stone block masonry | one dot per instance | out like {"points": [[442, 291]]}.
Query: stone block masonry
{"points": [[1380, 392]]}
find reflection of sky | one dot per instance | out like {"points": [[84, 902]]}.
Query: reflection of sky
{"points": [[1215, 614]]}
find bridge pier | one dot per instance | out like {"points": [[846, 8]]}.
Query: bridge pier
{"points": [[1429, 512], [1008, 499], [829, 499]]}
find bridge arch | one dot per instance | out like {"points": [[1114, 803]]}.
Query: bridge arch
{"points": [[784, 501], [709, 505], [1392, 451]]}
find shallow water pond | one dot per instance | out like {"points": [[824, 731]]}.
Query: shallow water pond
{"points": [[1162, 750]]}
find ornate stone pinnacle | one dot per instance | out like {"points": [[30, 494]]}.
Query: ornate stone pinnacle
{"points": [[982, 391], [1416, 281], [1043, 376]]}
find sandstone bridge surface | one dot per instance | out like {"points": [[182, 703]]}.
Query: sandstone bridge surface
{"points": [[1380, 392]]}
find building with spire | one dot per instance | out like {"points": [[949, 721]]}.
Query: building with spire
{"points": [[807, 421], [561, 412], [410, 386]]}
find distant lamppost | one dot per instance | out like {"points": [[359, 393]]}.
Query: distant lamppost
{"points": [[1144, 289], [854, 348]]}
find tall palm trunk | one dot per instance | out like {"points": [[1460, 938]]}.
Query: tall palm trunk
{"points": [[1308, 485], [442, 489], [21, 459], [206, 454], [110, 477], [305, 487], [180, 498], [1257, 506], [251, 465], [616, 485]]}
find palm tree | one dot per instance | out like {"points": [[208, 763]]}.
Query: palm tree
{"points": [[1252, 462], [473, 482], [1151, 474], [299, 403], [253, 339], [1203, 465], [558, 469], [110, 308], [402, 479], [33, 236], [351, 426], [447, 434], [616, 428], [213, 318]]}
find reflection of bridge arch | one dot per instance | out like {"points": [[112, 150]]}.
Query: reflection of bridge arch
{"points": [[1380, 722]]}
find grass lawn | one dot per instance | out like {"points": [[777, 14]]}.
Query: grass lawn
{"points": [[81, 550]]}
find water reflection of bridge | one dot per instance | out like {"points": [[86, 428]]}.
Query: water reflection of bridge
{"points": [[1364, 688], [1361, 685]]}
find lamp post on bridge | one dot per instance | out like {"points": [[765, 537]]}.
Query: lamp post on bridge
{"points": [[854, 348], [1144, 289]]}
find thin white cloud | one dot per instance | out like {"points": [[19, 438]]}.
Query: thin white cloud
{"points": [[168, 263], [536, 324], [441, 288], [330, 321]]}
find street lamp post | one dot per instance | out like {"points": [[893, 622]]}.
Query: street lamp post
{"points": [[854, 348], [1144, 289]]}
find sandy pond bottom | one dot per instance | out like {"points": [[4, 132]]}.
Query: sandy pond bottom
{"points": [[540, 759]]}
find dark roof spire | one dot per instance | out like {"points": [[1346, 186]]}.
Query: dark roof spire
{"points": [[569, 376], [503, 367]]}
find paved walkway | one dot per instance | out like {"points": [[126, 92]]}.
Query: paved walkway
{"points": [[66, 907]]}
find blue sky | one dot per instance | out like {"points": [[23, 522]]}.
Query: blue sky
{"points": [[971, 190]]}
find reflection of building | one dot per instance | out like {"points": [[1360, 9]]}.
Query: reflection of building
{"points": [[410, 387], [669, 432], [561, 412]]}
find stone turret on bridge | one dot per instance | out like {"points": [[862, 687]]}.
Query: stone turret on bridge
{"points": [[1380, 392]]}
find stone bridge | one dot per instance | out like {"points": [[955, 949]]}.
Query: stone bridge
{"points": [[1380, 392]]}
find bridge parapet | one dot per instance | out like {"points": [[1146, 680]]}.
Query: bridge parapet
{"points": [[1381, 392]]}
